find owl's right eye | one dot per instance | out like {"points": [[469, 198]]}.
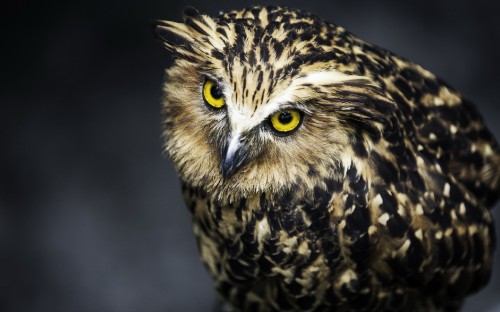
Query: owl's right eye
{"points": [[212, 94]]}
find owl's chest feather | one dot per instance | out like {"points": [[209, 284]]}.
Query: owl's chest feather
{"points": [[264, 246]]}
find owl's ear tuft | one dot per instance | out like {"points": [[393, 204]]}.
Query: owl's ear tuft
{"points": [[175, 37], [190, 12]]}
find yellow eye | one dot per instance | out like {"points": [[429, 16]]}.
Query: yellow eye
{"points": [[212, 94], [286, 121]]}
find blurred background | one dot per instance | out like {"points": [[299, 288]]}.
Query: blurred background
{"points": [[91, 217]]}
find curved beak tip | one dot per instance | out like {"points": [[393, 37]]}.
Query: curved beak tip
{"points": [[234, 155], [227, 168]]}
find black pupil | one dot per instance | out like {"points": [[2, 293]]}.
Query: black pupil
{"points": [[285, 118], [216, 92]]}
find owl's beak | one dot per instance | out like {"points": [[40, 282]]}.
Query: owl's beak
{"points": [[234, 155]]}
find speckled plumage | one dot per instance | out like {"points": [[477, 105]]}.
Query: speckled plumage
{"points": [[377, 202]]}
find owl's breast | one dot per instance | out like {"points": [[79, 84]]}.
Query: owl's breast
{"points": [[273, 251], [346, 244]]}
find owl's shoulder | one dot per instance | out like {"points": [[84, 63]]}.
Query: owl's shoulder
{"points": [[432, 122]]}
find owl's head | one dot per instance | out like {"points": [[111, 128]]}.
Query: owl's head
{"points": [[265, 99]]}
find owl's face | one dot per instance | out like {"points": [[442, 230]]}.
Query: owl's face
{"points": [[254, 103]]}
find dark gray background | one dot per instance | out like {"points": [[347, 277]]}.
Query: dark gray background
{"points": [[91, 217]]}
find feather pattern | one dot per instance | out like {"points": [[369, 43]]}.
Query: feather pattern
{"points": [[379, 201]]}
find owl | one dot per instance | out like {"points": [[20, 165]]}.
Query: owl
{"points": [[324, 173]]}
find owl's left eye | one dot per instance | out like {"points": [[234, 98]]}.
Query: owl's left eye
{"points": [[212, 94], [284, 122]]}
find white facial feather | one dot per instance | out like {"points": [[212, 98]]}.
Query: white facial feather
{"points": [[325, 77]]}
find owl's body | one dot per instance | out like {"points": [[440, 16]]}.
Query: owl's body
{"points": [[324, 173]]}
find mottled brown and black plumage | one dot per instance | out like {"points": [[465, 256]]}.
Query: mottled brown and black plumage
{"points": [[376, 201]]}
